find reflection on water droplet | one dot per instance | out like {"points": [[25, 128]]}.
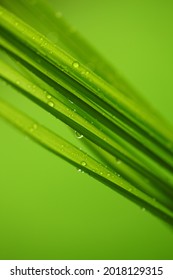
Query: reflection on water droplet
{"points": [[78, 135], [143, 209], [48, 96], [51, 104], [75, 64], [80, 170], [83, 163]]}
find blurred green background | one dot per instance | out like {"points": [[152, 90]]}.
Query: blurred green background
{"points": [[48, 209]]}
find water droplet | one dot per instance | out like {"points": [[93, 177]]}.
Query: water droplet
{"points": [[78, 135], [108, 174], [51, 104], [83, 163], [33, 127], [48, 96], [17, 83], [75, 64], [118, 175], [43, 43], [62, 147], [80, 170], [143, 209]]}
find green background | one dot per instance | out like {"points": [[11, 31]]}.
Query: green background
{"points": [[48, 209]]}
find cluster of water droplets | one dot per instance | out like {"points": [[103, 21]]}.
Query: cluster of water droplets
{"points": [[33, 127], [80, 170], [43, 43], [83, 164], [49, 99], [84, 73]]}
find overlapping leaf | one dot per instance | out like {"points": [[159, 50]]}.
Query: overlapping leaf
{"points": [[77, 86]]}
